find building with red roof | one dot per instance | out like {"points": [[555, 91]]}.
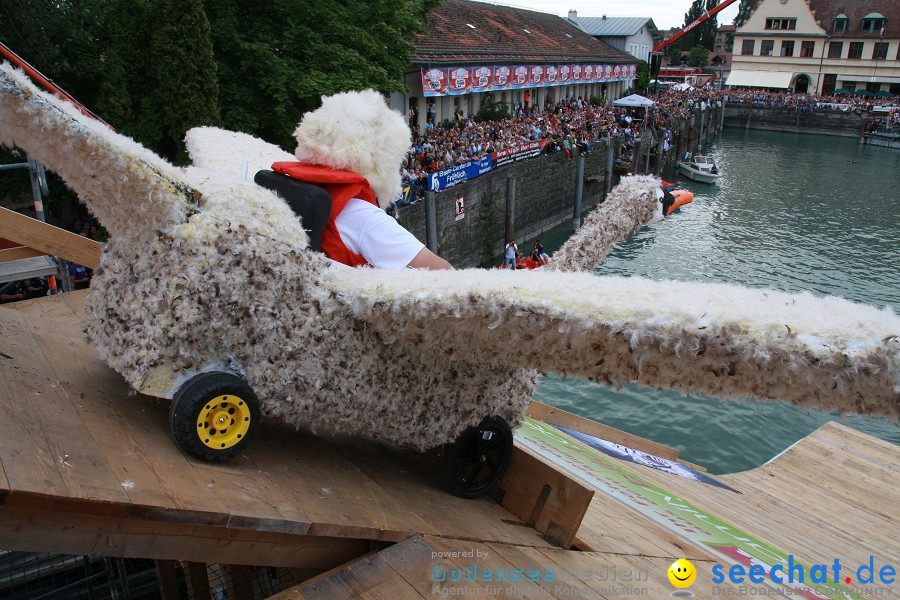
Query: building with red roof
{"points": [[472, 50]]}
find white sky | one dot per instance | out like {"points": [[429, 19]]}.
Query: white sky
{"points": [[665, 13]]}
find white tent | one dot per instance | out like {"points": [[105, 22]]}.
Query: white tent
{"points": [[633, 101]]}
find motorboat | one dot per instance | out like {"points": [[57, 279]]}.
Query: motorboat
{"points": [[699, 168]]}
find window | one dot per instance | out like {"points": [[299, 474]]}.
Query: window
{"points": [[807, 48], [880, 51], [855, 50], [829, 83], [767, 47], [835, 49], [781, 23], [872, 25], [840, 23], [873, 86], [747, 47], [787, 48]]}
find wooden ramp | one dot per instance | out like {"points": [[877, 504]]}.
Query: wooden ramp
{"points": [[803, 503], [88, 468]]}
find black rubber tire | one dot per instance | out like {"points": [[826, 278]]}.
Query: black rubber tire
{"points": [[193, 396], [479, 457]]}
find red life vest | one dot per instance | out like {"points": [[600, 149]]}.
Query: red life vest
{"points": [[342, 185]]}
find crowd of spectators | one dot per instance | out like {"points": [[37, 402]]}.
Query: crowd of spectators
{"points": [[808, 102], [569, 125], [574, 123]]}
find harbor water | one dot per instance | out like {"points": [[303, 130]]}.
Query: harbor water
{"points": [[790, 212]]}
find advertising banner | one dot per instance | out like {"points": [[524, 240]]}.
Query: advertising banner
{"points": [[460, 80], [517, 153], [481, 79], [450, 177], [727, 543], [454, 81], [576, 72], [434, 82], [520, 77], [501, 78], [550, 75]]}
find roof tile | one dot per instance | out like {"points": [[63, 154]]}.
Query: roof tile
{"points": [[500, 36]]}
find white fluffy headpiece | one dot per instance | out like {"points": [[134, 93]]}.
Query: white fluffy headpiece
{"points": [[357, 131]]}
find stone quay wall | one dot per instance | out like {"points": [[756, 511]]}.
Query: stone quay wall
{"points": [[544, 199], [823, 122]]}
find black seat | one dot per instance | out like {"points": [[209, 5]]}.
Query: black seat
{"points": [[308, 201]]}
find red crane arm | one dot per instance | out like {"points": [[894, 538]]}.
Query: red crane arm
{"points": [[660, 46]]}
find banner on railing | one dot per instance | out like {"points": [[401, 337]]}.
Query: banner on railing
{"points": [[457, 80], [517, 153], [450, 177]]}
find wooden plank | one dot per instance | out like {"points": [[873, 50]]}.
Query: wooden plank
{"points": [[610, 526], [198, 581], [414, 482], [497, 557], [167, 578], [49, 239], [371, 577], [81, 463], [550, 414], [29, 459], [131, 430], [88, 384], [27, 530], [336, 498], [9, 254], [76, 300], [544, 498]]}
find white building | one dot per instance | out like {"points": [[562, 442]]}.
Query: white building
{"points": [[634, 35], [819, 46]]}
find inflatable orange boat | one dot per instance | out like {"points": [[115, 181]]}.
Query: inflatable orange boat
{"points": [[675, 199]]}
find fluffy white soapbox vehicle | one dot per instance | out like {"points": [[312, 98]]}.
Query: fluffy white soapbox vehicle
{"points": [[208, 294]]}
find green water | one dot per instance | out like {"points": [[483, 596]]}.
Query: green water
{"points": [[790, 212]]}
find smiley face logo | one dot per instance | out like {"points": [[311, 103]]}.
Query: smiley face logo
{"points": [[682, 573]]}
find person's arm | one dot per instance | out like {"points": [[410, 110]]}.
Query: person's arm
{"points": [[426, 259]]}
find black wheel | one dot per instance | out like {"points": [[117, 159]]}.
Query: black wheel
{"points": [[214, 416], [478, 458]]}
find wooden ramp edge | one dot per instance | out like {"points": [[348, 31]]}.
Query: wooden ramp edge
{"points": [[88, 467]]}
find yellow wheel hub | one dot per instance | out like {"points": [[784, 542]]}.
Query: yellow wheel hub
{"points": [[223, 422]]}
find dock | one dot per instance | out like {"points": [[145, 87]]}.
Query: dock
{"points": [[88, 468]]}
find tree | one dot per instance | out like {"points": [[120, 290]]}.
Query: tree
{"points": [[276, 60], [183, 70], [702, 35], [64, 39], [698, 57], [643, 78]]}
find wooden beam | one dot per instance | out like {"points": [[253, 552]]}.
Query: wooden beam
{"points": [[167, 577], [198, 581], [49, 239], [543, 412], [544, 498], [95, 535], [9, 254]]}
